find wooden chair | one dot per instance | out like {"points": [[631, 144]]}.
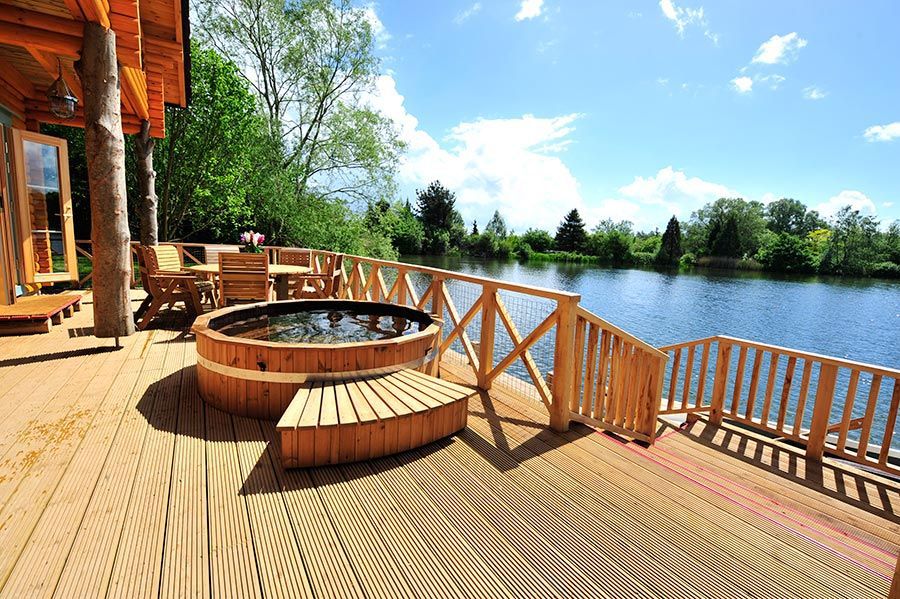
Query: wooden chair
{"points": [[167, 284], [212, 252], [324, 284], [244, 278], [295, 257]]}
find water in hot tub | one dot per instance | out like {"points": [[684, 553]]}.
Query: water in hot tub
{"points": [[322, 326]]}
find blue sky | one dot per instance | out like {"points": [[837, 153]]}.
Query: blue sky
{"points": [[638, 110]]}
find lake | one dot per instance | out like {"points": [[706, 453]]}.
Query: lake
{"points": [[857, 319]]}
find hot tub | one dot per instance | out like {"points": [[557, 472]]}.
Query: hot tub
{"points": [[252, 359]]}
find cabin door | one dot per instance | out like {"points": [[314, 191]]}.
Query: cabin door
{"points": [[44, 200], [7, 258]]}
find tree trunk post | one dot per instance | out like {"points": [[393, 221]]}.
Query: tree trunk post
{"points": [[146, 176], [104, 147]]}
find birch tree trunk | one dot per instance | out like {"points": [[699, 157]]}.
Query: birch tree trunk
{"points": [[104, 147], [146, 176]]}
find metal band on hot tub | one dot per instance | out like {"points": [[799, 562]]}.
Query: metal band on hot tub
{"points": [[266, 376]]}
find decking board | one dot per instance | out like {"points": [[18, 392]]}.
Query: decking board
{"points": [[157, 494]]}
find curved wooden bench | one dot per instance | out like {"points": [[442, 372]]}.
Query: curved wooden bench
{"points": [[336, 422]]}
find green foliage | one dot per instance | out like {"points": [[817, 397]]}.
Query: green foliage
{"points": [[214, 167], [571, 235], [670, 251], [398, 223], [784, 252], [442, 224], [538, 240], [611, 242], [496, 226], [790, 216], [728, 227], [851, 248]]}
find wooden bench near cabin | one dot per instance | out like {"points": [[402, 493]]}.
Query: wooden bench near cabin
{"points": [[334, 422], [38, 313]]}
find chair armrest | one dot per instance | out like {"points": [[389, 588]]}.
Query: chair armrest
{"points": [[165, 274]]}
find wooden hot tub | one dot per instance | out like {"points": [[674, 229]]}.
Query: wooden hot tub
{"points": [[259, 378]]}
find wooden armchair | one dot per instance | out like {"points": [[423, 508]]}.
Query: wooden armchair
{"points": [[167, 284], [324, 284], [212, 251], [244, 278]]}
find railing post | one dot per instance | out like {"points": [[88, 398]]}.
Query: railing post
{"points": [[564, 364], [486, 342], [437, 296], [720, 383], [401, 287], [818, 429]]}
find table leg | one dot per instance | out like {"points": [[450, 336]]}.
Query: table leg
{"points": [[282, 289]]}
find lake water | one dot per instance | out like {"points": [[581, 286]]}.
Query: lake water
{"points": [[857, 319]]}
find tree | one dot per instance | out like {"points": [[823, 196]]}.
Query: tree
{"points": [[851, 248], [398, 223], [213, 162], [474, 227], [784, 252], [496, 225], [538, 240], [570, 235], [435, 208], [311, 63], [788, 215], [105, 148], [727, 227], [670, 250]]}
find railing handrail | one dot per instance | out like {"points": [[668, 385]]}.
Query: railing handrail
{"points": [[789, 352], [545, 292], [624, 335]]}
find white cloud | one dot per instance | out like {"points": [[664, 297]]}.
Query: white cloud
{"points": [[779, 49], [529, 9], [670, 192], [379, 31], [773, 81], [682, 17], [857, 200], [887, 204], [814, 93], [512, 165], [887, 132], [467, 14], [742, 85]]}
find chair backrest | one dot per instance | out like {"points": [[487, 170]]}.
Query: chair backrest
{"points": [[156, 259], [243, 277], [212, 251], [295, 257], [333, 264]]}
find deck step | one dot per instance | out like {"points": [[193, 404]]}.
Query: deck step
{"points": [[334, 422], [38, 314]]}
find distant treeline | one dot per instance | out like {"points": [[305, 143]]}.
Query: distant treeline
{"points": [[783, 236]]}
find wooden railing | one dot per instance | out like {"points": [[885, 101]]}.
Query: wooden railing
{"points": [[828, 405], [618, 378]]}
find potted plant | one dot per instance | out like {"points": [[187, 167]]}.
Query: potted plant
{"points": [[252, 242]]}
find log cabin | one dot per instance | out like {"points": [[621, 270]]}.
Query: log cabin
{"points": [[123, 61]]}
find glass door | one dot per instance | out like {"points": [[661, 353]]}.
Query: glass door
{"points": [[45, 208], [7, 261]]}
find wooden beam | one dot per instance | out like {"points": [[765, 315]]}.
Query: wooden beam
{"points": [[17, 80], [136, 83], [48, 61], [62, 37]]}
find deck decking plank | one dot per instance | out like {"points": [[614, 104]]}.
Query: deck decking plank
{"points": [[821, 562], [162, 495], [43, 558]]}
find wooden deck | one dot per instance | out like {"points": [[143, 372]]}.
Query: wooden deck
{"points": [[116, 480]]}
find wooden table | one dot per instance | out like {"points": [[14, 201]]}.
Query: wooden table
{"points": [[281, 272]]}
